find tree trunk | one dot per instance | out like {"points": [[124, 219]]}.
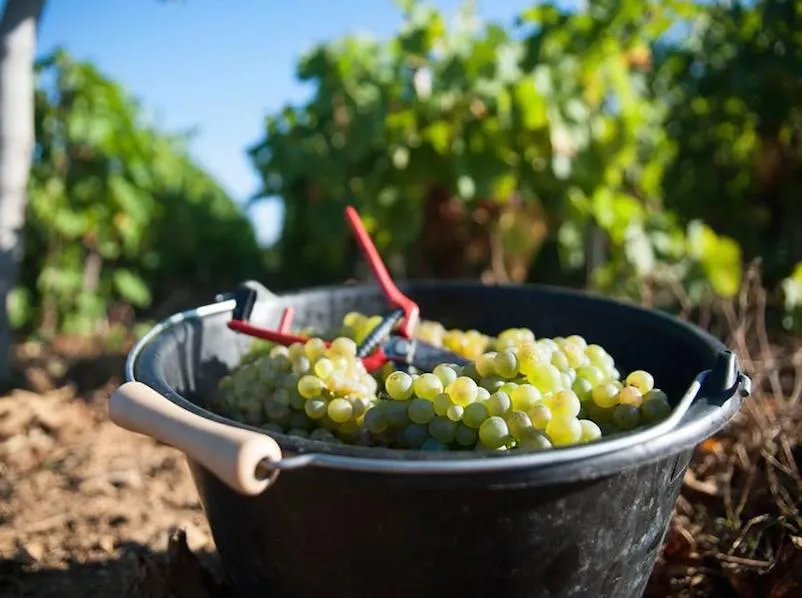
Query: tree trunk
{"points": [[18, 27]]}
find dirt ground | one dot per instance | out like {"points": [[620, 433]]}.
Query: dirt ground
{"points": [[86, 508], [92, 511]]}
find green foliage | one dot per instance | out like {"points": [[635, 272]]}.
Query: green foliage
{"points": [[117, 210], [467, 147], [732, 92]]}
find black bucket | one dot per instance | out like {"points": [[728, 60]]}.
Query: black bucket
{"points": [[356, 521]]}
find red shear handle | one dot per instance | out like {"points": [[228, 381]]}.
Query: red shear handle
{"points": [[276, 336], [393, 294]]}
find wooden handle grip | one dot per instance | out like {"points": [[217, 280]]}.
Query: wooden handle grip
{"points": [[230, 453]]}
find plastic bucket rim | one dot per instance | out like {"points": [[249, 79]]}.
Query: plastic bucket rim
{"points": [[302, 452]]}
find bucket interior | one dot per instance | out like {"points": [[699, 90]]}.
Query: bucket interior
{"points": [[190, 357]]}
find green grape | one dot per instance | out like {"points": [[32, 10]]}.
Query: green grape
{"points": [[508, 387], [506, 364], [465, 436], [443, 429], [626, 417], [376, 420], [428, 386], [274, 428], [605, 395], [469, 371], [608, 429], [420, 411], [592, 374], [310, 386], [446, 373], [540, 415], [321, 434], [282, 397], [524, 397], [499, 403], [454, 413], [575, 355], [656, 393], [518, 422], [279, 351], [546, 377], [485, 365], [564, 403], [326, 423], [463, 391], [396, 413], [474, 415], [323, 368], [491, 383], [430, 332], [441, 403], [359, 405], [599, 414], [532, 439], [641, 380], [655, 406], [278, 414], [482, 394], [577, 340], [433, 445], [290, 380], [399, 386], [315, 348], [598, 356], [564, 430], [340, 362], [568, 378], [343, 346], [340, 410], [583, 389], [630, 395], [316, 408], [590, 431], [529, 359], [548, 346], [414, 435], [295, 351], [560, 361], [301, 365], [349, 428], [281, 363], [296, 400], [493, 432]]}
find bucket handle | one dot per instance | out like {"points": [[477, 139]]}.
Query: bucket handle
{"points": [[240, 458], [721, 382]]}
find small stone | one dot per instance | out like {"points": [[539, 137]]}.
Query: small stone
{"points": [[106, 543], [125, 478]]}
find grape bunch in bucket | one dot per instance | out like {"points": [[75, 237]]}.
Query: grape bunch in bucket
{"points": [[396, 381]]}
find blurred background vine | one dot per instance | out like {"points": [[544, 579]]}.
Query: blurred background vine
{"points": [[647, 150]]}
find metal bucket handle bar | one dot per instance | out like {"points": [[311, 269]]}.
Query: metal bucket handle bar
{"points": [[249, 459]]}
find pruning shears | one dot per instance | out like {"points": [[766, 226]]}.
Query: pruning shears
{"points": [[392, 340]]}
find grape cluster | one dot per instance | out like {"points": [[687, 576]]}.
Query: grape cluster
{"points": [[316, 389], [469, 343], [517, 392]]}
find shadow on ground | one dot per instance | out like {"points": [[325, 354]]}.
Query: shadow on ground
{"points": [[136, 573]]}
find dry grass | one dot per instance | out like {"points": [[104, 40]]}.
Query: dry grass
{"points": [[737, 530]]}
